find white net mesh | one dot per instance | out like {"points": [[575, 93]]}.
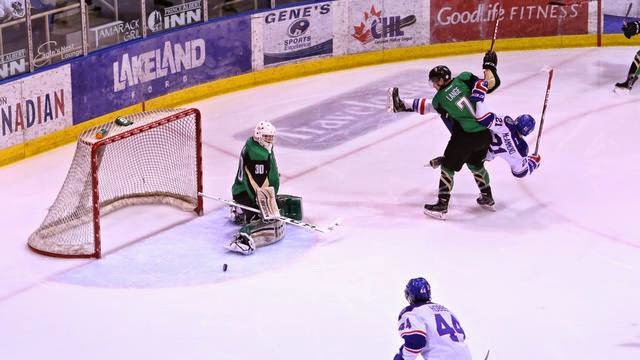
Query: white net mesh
{"points": [[153, 161]]}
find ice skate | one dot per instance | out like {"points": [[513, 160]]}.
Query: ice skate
{"points": [[437, 210], [394, 103], [486, 202], [625, 86]]}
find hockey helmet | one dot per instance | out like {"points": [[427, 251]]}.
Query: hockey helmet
{"points": [[440, 72], [265, 134], [525, 124], [417, 290]]}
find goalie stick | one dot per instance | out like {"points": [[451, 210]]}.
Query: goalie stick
{"points": [[322, 229], [544, 108]]}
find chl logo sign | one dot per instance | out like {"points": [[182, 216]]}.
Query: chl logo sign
{"points": [[378, 27]]}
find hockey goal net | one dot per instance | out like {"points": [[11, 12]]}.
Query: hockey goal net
{"points": [[147, 158]]}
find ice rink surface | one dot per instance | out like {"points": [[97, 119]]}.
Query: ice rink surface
{"points": [[553, 274]]}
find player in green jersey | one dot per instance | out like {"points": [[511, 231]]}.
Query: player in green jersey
{"points": [[257, 166], [257, 173], [455, 101], [630, 29]]}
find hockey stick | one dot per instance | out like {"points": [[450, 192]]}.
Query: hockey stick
{"points": [[495, 30], [301, 224], [626, 16], [544, 108], [486, 356]]}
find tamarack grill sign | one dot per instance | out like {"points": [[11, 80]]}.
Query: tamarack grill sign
{"points": [[459, 20]]}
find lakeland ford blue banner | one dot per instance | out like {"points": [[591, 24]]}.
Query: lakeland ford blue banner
{"points": [[109, 80]]}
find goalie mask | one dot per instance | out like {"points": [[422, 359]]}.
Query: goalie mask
{"points": [[265, 134]]}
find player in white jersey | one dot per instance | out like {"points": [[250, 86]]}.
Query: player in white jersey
{"points": [[429, 329], [507, 137]]}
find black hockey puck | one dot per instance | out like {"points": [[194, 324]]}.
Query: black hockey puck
{"points": [[224, 267]]}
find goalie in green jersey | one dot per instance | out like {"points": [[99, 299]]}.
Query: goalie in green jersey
{"points": [[256, 185], [455, 100]]}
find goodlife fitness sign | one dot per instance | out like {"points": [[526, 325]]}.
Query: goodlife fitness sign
{"points": [[463, 20]]}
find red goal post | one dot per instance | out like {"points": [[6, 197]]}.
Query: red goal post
{"points": [[156, 159]]}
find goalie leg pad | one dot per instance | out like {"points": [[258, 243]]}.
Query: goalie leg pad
{"points": [[264, 232], [243, 244], [290, 206]]}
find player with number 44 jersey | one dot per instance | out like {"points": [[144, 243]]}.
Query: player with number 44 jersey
{"points": [[429, 329]]}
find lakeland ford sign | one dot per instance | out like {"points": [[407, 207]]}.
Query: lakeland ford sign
{"points": [[172, 58], [143, 69]]}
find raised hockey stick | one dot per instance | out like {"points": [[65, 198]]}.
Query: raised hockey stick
{"points": [[322, 229], [495, 30], [544, 107], [626, 16]]}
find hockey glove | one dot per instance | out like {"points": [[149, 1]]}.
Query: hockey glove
{"points": [[479, 91], [490, 60], [631, 29], [533, 161]]}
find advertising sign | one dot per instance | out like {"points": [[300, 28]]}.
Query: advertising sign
{"points": [[141, 70], [342, 118], [175, 16], [13, 63], [35, 106], [377, 24], [297, 32], [460, 20]]}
